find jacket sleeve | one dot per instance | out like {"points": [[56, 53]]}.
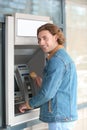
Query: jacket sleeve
{"points": [[52, 79]]}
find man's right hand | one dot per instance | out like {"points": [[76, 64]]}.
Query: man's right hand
{"points": [[24, 106]]}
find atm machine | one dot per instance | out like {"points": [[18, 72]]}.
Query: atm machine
{"points": [[22, 56]]}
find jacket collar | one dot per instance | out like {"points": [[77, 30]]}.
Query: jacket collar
{"points": [[54, 51]]}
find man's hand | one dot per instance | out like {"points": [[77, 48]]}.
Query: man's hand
{"points": [[23, 107]]}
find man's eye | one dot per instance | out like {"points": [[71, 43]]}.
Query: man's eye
{"points": [[39, 41], [45, 38]]}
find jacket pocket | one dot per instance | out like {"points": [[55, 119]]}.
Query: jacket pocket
{"points": [[49, 106]]}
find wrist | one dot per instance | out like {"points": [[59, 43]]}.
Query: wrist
{"points": [[27, 105]]}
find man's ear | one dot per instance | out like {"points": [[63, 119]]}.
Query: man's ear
{"points": [[56, 37]]}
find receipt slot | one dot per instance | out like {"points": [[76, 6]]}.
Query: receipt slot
{"points": [[22, 56]]}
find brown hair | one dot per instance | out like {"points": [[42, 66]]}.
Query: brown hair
{"points": [[53, 29]]}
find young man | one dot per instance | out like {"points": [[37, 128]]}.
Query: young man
{"points": [[57, 97]]}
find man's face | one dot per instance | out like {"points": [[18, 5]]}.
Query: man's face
{"points": [[47, 41]]}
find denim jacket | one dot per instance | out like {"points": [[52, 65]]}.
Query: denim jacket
{"points": [[57, 97]]}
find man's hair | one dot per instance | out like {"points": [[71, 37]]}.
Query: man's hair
{"points": [[54, 30]]}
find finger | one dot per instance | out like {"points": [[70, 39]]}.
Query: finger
{"points": [[22, 109]]}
